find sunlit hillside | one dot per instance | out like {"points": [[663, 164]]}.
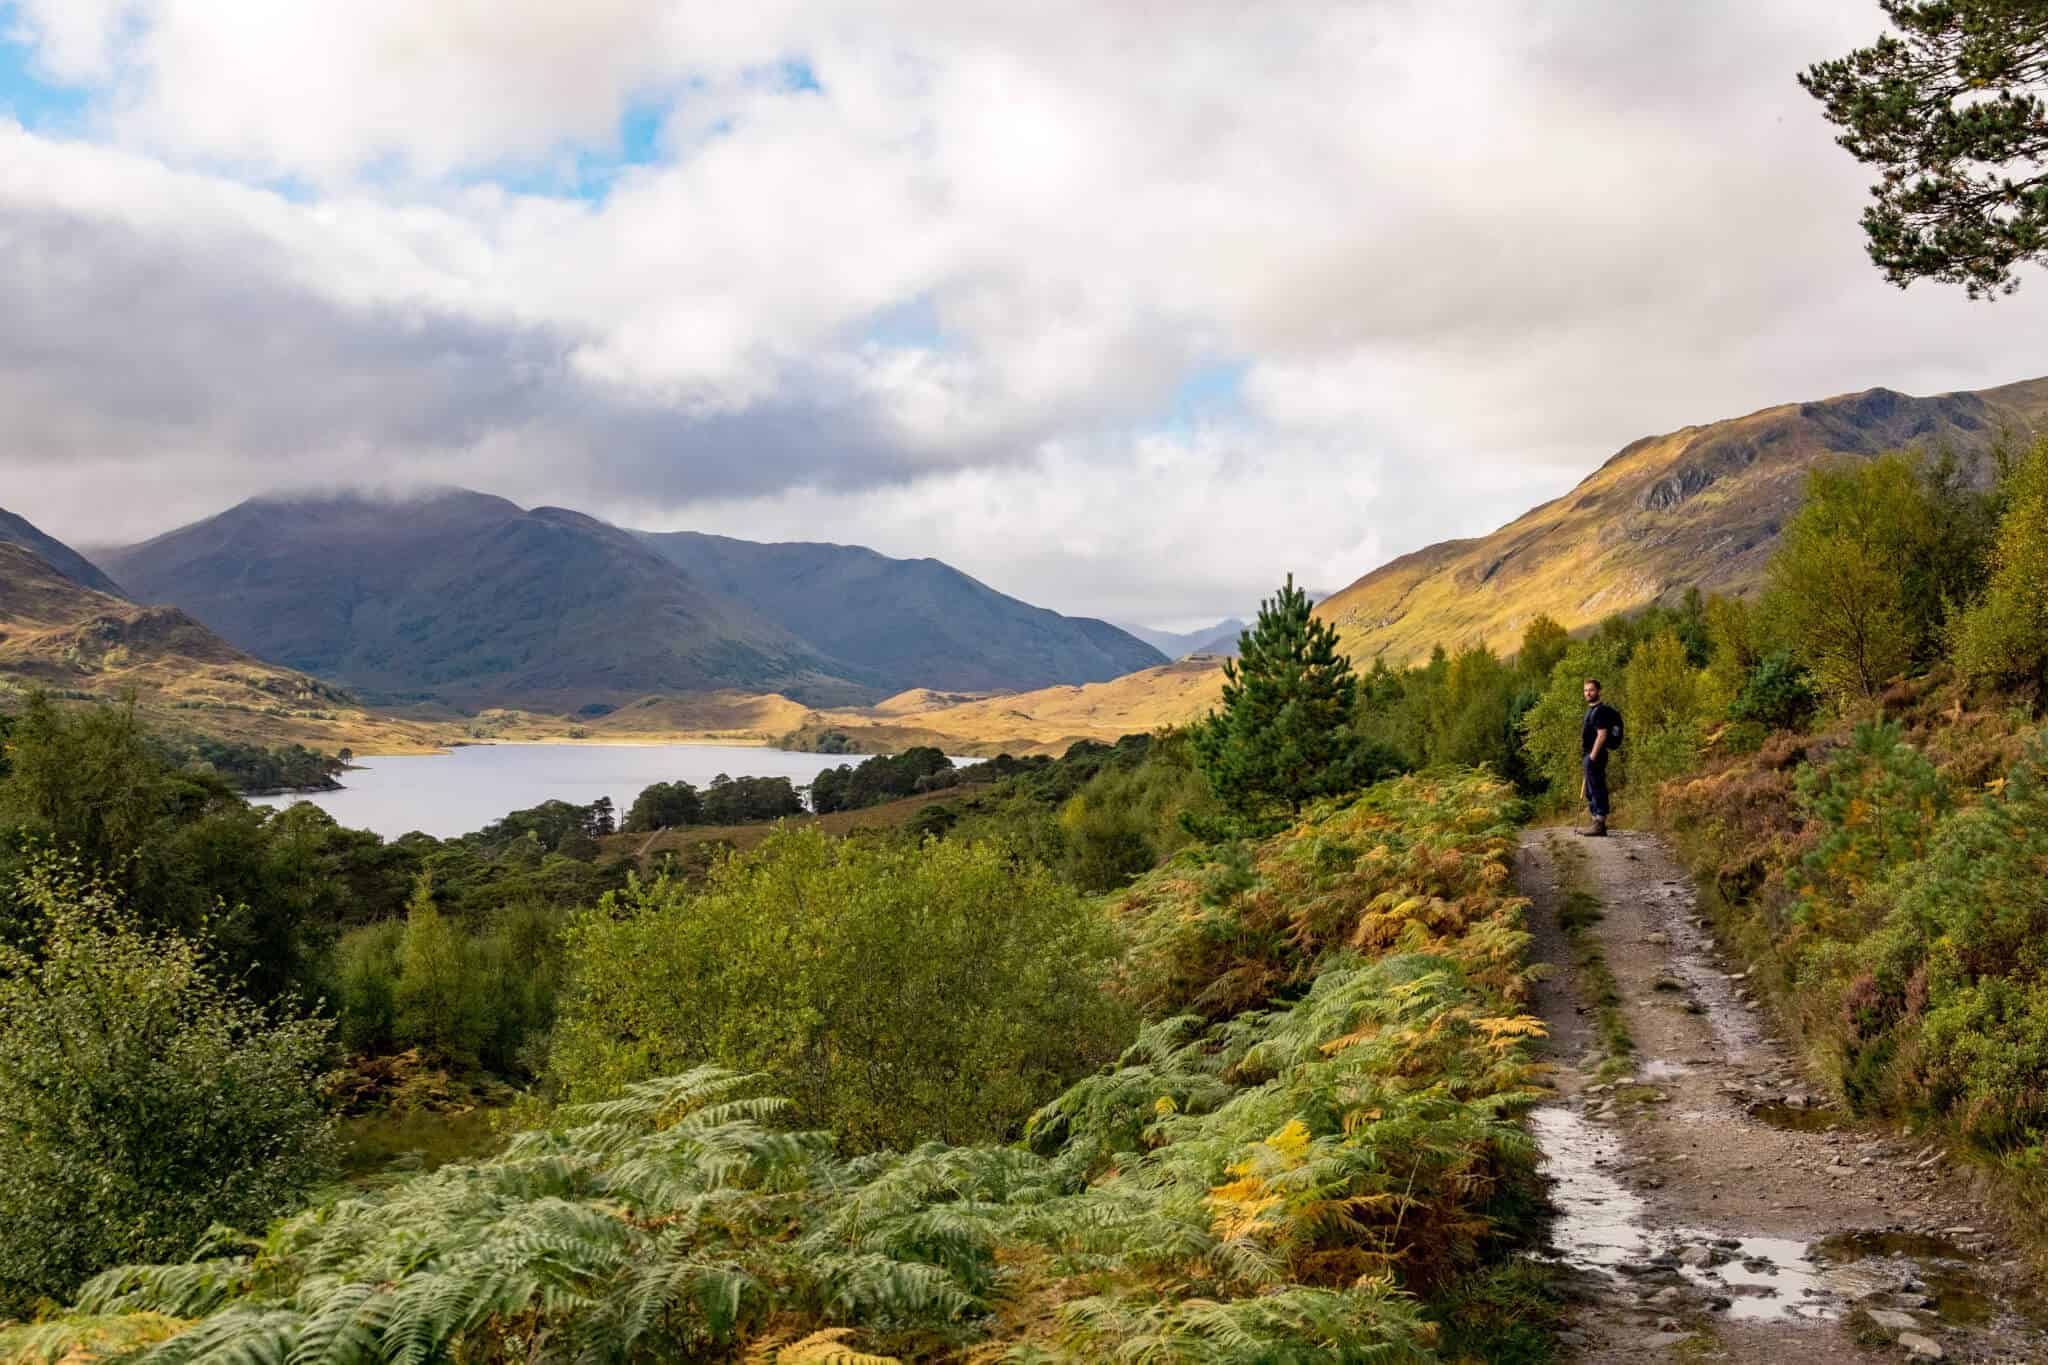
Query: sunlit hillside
{"points": [[77, 643], [1698, 507]]}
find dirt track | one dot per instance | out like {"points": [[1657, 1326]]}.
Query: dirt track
{"points": [[1711, 1206]]}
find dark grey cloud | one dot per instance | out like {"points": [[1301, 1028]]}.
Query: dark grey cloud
{"points": [[159, 362]]}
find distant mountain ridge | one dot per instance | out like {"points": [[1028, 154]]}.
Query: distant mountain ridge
{"points": [[1220, 638], [911, 622], [1698, 507], [59, 556], [467, 598]]}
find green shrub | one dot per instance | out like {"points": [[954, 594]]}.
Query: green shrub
{"points": [[1127, 820], [1777, 692], [1868, 568], [1666, 708], [2003, 638], [141, 1101], [895, 992], [483, 998], [364, 986], [1301, 1182], [1967, 944], [443, 1005]]}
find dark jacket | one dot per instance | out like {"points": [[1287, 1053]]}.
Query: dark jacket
{"points": [[1600, 716]]}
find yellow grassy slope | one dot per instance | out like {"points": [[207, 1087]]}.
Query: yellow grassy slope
{"points": [[76, 643], [1043, 721], [1699, 507]]}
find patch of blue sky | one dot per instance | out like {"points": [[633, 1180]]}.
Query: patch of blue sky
{"points": [[799, 78], [642, 138], [910, 325], [584, 171], [1210, 392], [26, 96]]}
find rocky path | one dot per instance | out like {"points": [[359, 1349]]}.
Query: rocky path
{"points": [[1710, 1206]]}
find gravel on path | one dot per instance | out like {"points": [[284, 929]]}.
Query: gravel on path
{"points": [[1711, 1205]]}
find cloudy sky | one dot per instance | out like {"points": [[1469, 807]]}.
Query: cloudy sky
{"points": [[1127, 308]]}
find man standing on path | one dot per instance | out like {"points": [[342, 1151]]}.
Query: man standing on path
{"points": [[1600, 734]]}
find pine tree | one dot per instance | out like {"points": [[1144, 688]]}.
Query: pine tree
{"points": [[1949, 109], [1284, 735]]}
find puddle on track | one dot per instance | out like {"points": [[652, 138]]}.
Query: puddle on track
{"points": [[1915, 1265], [1795, 1118], [1602, 1226]]}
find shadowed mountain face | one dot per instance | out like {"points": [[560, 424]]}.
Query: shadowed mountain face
{"points": [[470, 599], [1700, 507], [911, 622], [56, 554]]}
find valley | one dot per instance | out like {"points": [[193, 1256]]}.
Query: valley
{"points": [[670, 689]]}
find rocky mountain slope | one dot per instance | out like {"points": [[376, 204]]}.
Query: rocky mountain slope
{"points": [[468, 598], [1699, 507], [59, 556], [907, 622], [77, 643]]}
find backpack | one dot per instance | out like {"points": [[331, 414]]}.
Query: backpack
{"points": [[1614, 730]]}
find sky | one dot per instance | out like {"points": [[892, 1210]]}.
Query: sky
{"points": [[1127, 309]]}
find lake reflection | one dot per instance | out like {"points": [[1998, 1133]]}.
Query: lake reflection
{"points": [[454, 793]]}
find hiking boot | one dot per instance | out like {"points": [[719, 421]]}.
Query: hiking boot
{"points": [[1598, 831]]}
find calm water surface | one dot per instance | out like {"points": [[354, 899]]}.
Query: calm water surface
{"points": [[454, 793]]}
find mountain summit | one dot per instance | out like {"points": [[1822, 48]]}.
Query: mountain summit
{"points": [[470, 599], [467, 598]]}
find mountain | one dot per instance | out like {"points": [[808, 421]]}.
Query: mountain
{"points": [[1220, 638], [466, 598], [61, 636], [908, 622], [56, 554], [1223, 641], [1699, 507]]}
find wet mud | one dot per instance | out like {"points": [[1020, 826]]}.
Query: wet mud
{"points": [[1710, 1204]]}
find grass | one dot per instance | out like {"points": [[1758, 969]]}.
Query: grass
{"points": [[1577, 916]]}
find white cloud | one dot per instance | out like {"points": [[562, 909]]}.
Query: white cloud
{"points": [[1462, 251]]}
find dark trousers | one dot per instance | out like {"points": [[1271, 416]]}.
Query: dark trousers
{"points": [[1596, 786]]}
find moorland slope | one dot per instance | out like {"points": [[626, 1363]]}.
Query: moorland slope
{"points": [[1698, 507], [62, 637]]}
